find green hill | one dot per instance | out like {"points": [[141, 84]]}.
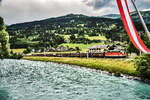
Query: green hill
{"points": [[145, 14], [56, 31], [112, 16]]}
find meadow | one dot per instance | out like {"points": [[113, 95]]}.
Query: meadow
{"points": [[83, 47], [18, 50]]}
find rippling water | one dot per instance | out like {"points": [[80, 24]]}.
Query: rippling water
{"points": [[28, 80]]}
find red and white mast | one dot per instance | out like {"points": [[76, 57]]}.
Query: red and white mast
{"points": [[130, 27]]}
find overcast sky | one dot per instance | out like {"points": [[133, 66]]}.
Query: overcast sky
{"points": [[18, 11]]}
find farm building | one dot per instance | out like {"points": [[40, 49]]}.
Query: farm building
{"points": [[97, 48]]}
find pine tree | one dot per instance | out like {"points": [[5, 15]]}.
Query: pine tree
{"points": [[4, 41]]}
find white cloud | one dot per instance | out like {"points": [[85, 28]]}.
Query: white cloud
{"points": [[16, 11]]}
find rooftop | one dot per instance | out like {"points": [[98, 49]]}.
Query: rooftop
{"points": [[98, 47]]}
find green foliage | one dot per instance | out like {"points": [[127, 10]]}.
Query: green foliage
{"points": [[4, 44], [4, 41], [51, 32], [142, 64], [28, 50], [72, 38], [77, 49], [80, 45], [1, 23], [16, 56], [131, 48]]}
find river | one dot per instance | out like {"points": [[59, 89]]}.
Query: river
{"points": [[30, 80]]}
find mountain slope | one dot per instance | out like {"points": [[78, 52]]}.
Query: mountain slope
{"points": [[45, 31], [111, 16], [80, 18], [71, 18]]}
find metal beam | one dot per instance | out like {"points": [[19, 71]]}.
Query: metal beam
{"points": [[142, 20]]}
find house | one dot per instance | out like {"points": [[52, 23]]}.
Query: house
{"points": [[97, 48]]}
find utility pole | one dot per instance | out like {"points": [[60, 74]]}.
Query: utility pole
{"points": [[142, 20], [87, 51]]}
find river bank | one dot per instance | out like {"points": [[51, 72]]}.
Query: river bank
{"points": [[115, 67]]}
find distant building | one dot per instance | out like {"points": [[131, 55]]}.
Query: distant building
{"points": [[97, 48]]}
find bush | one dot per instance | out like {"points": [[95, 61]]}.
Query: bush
{"points": [[16, 56], [28, 50], [142, 64]]}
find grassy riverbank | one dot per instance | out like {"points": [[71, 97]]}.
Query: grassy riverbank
{"points": [[117, 66]]}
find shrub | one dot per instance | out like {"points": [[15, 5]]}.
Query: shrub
{"points": [[142, 64], [28, 50], [16, 56]]}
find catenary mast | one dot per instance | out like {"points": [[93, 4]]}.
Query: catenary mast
{"points": [[142, 20]]}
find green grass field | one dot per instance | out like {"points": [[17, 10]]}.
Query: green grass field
{"points": [[83, 47], [96, 37], [111, 65], [86, 36]]}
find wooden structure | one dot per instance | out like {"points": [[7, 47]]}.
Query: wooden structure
{"points": [[97, 48]]}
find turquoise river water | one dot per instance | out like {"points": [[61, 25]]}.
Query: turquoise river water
{"points": [[30, 80]]}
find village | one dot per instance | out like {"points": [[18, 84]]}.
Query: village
{"points": [[98, 51]]}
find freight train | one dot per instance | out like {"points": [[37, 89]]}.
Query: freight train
{"points": [[108, 54]]}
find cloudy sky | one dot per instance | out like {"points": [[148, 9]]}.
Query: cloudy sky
{"points": [[17, 11]]}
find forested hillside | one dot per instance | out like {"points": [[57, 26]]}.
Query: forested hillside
{"points": [[72, 28]]}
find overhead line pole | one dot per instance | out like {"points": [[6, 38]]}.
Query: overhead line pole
{"points": [[142, 20], [87, 50]]}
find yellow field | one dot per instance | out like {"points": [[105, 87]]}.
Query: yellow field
{"points": [[96, 37], [18, 50]]}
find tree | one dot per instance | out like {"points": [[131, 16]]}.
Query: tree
{"points": [[131, 48], [77, 49], [1, 23], [4, 41], [142, 64], [72, 37]]}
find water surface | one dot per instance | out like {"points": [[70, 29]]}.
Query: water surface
{"points": [[29, 80]]}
